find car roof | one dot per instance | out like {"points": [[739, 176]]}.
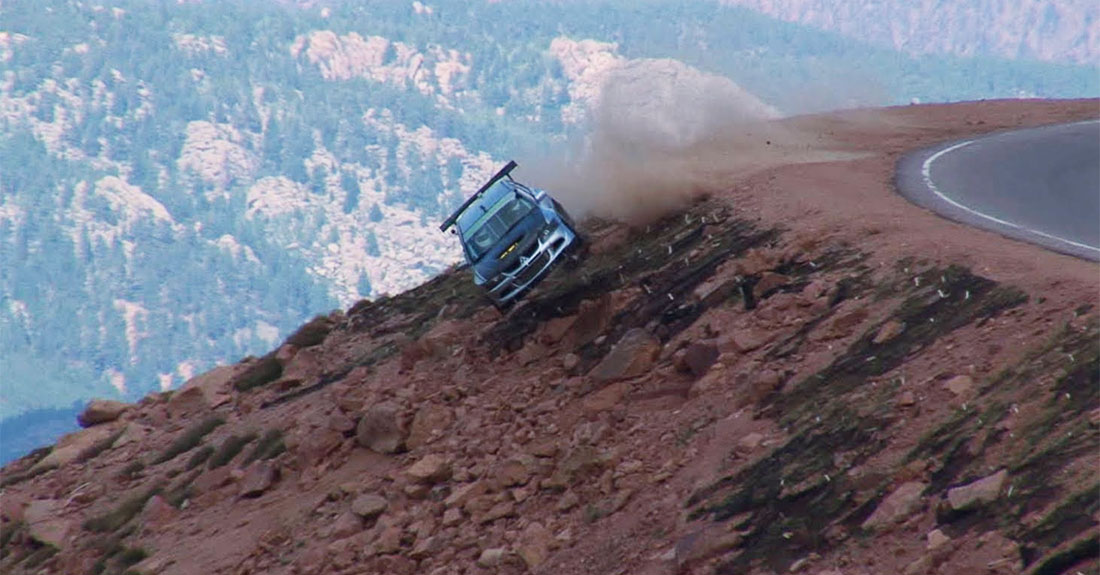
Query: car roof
{"points": [[478, 208]]}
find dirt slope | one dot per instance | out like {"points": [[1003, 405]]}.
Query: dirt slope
{"points": [[798, 372]]}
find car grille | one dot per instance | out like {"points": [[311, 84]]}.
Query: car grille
{"points": [[534, 266]]}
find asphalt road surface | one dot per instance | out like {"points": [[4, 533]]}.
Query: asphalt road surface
{"points": [[1040, 185]]}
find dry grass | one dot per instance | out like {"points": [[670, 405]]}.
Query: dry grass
{"points": [[190, 439]]}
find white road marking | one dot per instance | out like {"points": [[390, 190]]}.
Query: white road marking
{"points": [[926, 172]]}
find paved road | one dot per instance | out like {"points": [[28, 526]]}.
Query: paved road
{"points": [[1040, 185]]}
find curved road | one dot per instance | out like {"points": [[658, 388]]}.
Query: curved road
{"points": [[1040, 185]]}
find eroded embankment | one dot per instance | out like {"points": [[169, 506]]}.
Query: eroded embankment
{"points": [[572, 435]]}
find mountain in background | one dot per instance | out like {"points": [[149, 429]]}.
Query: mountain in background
{"points": [[183, 183], [1051, 30]]}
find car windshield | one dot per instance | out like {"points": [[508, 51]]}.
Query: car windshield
{"points": [[494, 223]]}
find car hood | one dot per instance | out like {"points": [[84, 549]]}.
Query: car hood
{"points": [[524, 234]]}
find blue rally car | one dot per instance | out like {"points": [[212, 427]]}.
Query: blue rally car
{"points": [[512, 235]]}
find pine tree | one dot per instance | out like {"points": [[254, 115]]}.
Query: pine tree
{"points": [[363, 286]]}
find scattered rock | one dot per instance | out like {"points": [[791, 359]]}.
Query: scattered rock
{"points": [[212, 480], [12, 506], [215, 386], [762, 385], [427, 547], [982, 491], [452, 517], [101, 411], [258, 478], [701, 545], [580, 462], [285, 353], [632, 356], [186, 402], [369, 506], [464, 493], [715, 290], [556, 329], [491, 557], [134, 433], [769, 282], [567, 501], [756, 261], [432, 468], [498, 511], [389, 540], [697, 358], [845, 324], [306, 366], [45, 524], [750, 442], [570, 362], [158, 513], [340, 423], [606, 399], [744, 340], [816, 289], [530, 353], [534, 544], [919, 566], [380, 430], [513, 472], [312, 446], [547, 447], [593, 317], [937, 539], [896, 507], [959, 385], [888, 331], [907, 399], [429, 422], [346, 525]]}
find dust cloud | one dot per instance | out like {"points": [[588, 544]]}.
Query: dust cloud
{"points": [[661, 134]]}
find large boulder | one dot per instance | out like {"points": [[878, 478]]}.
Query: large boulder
{"points": [[592, 319], [697, 358], [632, 356], [369, 506], [70, 447], [380, 429], [44, 523], [214, 387], [432, 468], [258, 478], [980, 492], [101, 411], [897, 506]]}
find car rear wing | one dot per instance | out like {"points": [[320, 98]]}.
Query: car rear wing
{"points": [[450, 221]]}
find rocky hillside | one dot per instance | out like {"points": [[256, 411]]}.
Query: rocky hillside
{"points": [[723, 390], [183, 183]]}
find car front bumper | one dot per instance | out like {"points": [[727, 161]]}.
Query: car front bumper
{"points": [[532, 267]]}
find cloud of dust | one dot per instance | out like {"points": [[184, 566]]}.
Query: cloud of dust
{"points": [[661, 134]]}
